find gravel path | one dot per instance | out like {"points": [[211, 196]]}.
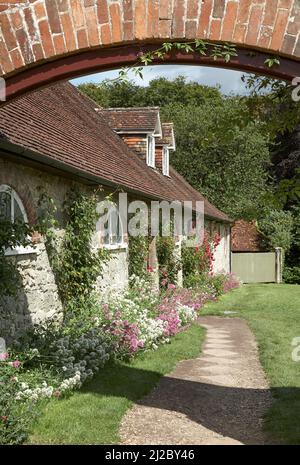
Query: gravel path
{"points": [[218, 398]]}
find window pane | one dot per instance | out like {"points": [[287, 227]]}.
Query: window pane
{"points": [[151, 151], [105, 232], [18, 215], [5, 205], [115, 228], [166, 161]]}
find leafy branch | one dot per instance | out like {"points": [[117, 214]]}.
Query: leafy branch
{"points": [[272, 61], [224, 51], [217, 51]]}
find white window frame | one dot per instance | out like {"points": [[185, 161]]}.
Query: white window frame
{"points": [[151, 151], [19, 250], [165, 161], [112, 245]]}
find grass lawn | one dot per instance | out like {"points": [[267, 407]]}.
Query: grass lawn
{"points": [[273, 313], [93, 414]]}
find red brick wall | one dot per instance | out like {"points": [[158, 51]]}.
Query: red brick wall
{"points": [[159, 158], [34, 30], [136, 143], [245, 237]]}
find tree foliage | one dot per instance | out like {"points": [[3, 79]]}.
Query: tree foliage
{"points": [[277, 229]]}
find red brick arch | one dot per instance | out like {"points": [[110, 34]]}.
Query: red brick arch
{"points": [[44, 40]]}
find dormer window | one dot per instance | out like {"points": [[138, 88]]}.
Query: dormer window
{"points": [[151, 151], [165, 161]]}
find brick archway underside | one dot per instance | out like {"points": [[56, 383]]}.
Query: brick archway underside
{"points": [[46, 40]]}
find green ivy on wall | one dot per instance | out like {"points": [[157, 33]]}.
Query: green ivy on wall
{"points": [[75, 264], [138, 255]]}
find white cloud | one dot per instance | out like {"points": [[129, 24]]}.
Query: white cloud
{"points": [[229, 80]]}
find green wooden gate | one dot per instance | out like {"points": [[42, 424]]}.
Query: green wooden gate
{"points": [[257, 267]]}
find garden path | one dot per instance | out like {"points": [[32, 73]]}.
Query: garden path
{"points": [[218, 398]]}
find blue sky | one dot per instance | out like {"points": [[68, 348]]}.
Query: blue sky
{"points": [[230, 81]]}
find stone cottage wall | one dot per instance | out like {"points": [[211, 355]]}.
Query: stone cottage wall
{"points": [[115, 272], [38, 298]]}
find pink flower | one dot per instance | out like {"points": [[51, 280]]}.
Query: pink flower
{"points": [[57, 393], [171, 286], [4, 418], [164, 282], [4, 356], [15, 364], [150, 269]]}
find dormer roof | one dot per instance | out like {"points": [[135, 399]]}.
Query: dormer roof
{"points": [[168, 137], [133, 120]]}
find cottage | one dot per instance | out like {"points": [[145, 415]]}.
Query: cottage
{"points": [[56, 138]]}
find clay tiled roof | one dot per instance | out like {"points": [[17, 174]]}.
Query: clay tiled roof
{"points": [[132, 119], [59, 126], [245, 237]]}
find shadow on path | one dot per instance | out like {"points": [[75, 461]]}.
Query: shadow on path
{"points": [[227, 411]]}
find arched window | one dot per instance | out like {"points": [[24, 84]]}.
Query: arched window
{"points": [[12, 209], [11, 206], [111, 232]]}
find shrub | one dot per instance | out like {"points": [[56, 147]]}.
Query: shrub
{"points": [[277, 229], [71, 348], [169, 262], [291, 275], [138, 255], [15, 417]]}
